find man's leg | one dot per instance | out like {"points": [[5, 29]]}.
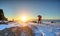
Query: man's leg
{"points": [[38, 21]]}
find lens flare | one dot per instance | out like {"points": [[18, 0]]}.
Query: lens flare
{"points": [[24, 19]]}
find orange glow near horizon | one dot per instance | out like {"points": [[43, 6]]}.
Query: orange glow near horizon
{"points": [[23, 18]]}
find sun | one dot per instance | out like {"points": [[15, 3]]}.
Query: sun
{"points": [[24, 19]]}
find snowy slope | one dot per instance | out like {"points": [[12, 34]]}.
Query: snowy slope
{"points": [[44, 29], [47, 29]]}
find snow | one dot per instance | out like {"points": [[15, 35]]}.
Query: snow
{"points": [[44, 29]]}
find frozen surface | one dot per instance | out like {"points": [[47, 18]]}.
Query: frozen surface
{"points": [[47, 29], [44, 29]]}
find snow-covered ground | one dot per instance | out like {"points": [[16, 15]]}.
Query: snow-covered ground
{"points": [[44, 29]]}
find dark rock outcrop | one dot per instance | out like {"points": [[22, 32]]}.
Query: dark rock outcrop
{"points": [[2, 17]]}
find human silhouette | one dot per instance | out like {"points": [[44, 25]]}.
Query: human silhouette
{"points": [[39, 19]]}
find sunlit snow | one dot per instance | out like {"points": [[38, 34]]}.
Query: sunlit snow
{"points": [[44, 29]]}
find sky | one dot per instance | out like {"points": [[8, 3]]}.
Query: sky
{"points": [[18, 8]]}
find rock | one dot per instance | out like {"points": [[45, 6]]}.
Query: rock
{"points": [[2, 17], [17, 31]]}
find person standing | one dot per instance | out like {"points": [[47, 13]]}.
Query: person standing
{"points": [[39, 19]]}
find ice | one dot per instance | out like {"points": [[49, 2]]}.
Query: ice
{"points": [[49, 29], [44, 29]]}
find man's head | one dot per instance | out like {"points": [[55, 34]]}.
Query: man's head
{"points": [[39, 15]]}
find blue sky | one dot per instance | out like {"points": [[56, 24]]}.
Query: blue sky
{"points": [[48, 9]]}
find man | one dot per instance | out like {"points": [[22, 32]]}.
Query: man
{"points": [[39, 19]]}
